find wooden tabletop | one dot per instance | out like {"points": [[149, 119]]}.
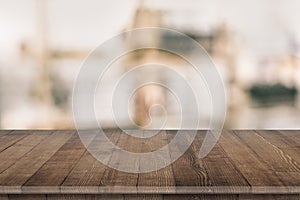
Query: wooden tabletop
{"points": [[242, 162]]}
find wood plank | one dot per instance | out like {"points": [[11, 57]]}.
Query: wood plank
{"points": [[188, 169], [143, 137], [289, 178], [85, 197], [254, 170], [143, 197], [4, 132], [9, 138], [112, 177], [201, 197], [88, 171], [27, 197], [66, 197], [154, 197], [220, 168], [279, 138], [281, 163], [286, 143], [269, 197], [105, 197], [158, 178], [57, 168], [25, 167], [268, 152], [292, 135], [23, 145]]}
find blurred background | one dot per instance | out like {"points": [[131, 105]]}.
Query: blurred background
{"points": [[254, 44]]}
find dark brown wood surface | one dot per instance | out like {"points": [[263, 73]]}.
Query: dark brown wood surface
{"points": [[243, 165]]}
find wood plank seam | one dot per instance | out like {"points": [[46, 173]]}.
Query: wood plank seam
{"points": [[47, 160], [105, 171], [233, 164], [290, 160], [71, 170], [12, 143], [28, 152], [258, 156], [23, 154], [73, 165], [7, 132], [242, 162], [282, 152]]}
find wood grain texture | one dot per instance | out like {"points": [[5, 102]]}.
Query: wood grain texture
{"points": [[89, 171], [27, 165], [57, 168], [291, 135], [160, 177], [221, 169], [56, 165], [24, 144], [256, 171], [113, 177], [284, 165], [151, 197], [9, 138], [188, 169]]}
